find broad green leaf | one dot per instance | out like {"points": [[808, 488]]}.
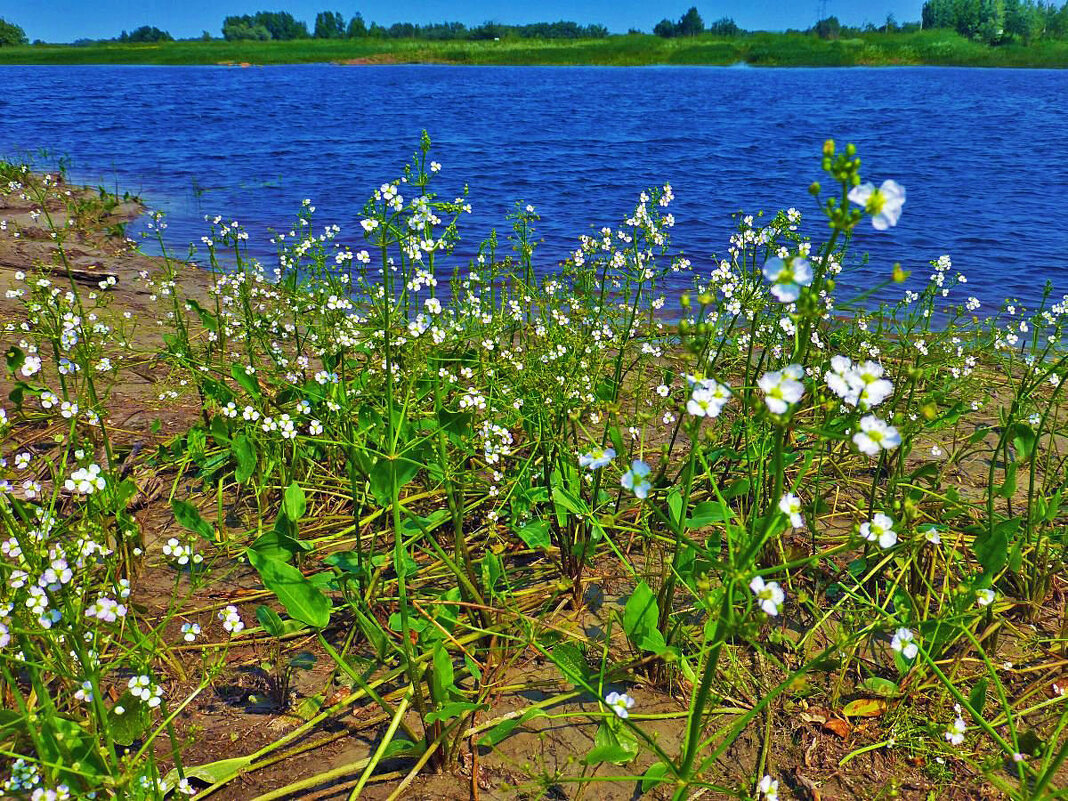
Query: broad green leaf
{"points": [[501, 731], [274, 625], [451, 710], [977, 697], [212, 772], [246, 380], [244, 452], [610, 745], [654, 776], [132, 724], [294, 503], [568, 658], [707, 513], [865, 708], [881, 687], [188, 516], [641, 616], [301, 599], [536, 534]]}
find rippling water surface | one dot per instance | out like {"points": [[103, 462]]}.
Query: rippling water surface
{"points": [[983, 153]]}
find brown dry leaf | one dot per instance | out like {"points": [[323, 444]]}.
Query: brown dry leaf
{"points": [[811, 790], [814, 715], [839, 727], [865, 708]]}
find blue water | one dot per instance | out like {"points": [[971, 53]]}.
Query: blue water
{"points": [[983, 153]]}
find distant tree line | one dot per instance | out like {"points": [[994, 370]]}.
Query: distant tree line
{"points": [[11, 35], [691, 24], [998, 21], [280, 25], [146, 33]]}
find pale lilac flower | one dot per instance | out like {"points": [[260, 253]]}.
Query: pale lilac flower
{"points": [[790, 505], [875, 435], [880, 529], [620, 703], [883, 204], [781, 388], [904, 642], [636, 478], [597, 458], [769, 594], [787, 277]]}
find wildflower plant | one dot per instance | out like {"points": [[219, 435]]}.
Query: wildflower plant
{"points": [[435, 464]]}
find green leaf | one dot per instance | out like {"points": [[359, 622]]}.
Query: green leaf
{"points": [[451, 710], [654, 776], [246, 380], [294, 504], [212, 772], [641, 616], [1023, 440], [977, 697], [189, 518], [244, 452], [15, 358], [536, 534], [132, 724], [442, 676], [301, 599], [274, 625], [501, 731], [674, 500], [707, 513], [992, 546], [617, 747], [278, 543], [568, 658], [881, 687], [383, 472], [207, 319]]}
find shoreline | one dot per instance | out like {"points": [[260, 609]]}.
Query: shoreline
{"points": [[933, 48]]}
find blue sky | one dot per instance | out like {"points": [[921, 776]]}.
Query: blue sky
{"points": [[65, 20]]}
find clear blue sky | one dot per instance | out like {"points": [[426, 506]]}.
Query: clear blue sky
{"points": [[66, 20]]}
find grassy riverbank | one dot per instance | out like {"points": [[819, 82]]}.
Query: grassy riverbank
{"points": [[941, 48]]}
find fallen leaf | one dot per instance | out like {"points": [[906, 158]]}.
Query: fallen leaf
{"points": [[865, 708], [839, 727]]}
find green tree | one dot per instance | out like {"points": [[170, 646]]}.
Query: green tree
{"points": [[329, 25], [829, 28], [665, 28], [691, 23], [11, 35], [147, 34], [357, 27]]}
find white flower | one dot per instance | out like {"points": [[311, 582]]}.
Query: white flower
{"points": [[768, 788], [231, 619], [875, 435], [620, 703], [636, 478], [315, 428], [85, 480], [790, 505], [788, 277], [985, 597], [955, 733], [782, 388], [932, 535], [880, 529], [883, 204], [597, 458], [30, 366], [708, 398], [769, 594], [190, 631], [904, 642]]}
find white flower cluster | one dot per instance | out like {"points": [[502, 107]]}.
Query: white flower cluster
{"points": [[85, 480]]}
